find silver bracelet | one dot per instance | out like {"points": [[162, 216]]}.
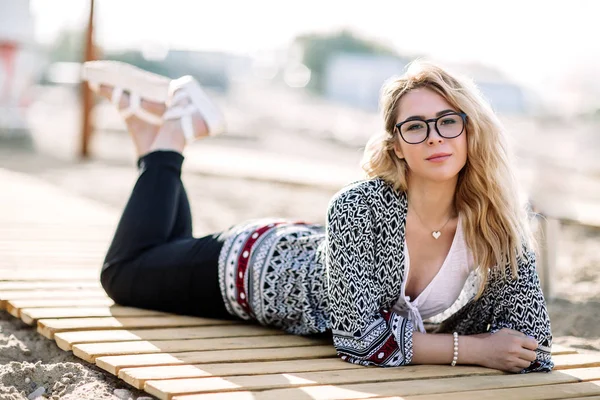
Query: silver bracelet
{"points": [[455, 358]]}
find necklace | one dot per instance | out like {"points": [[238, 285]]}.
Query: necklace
{"points": [[436, 233]]}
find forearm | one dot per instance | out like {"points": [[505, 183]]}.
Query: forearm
{"points": [[439, 349]]}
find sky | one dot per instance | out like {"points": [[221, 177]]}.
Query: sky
{"points": [[535, 42]]}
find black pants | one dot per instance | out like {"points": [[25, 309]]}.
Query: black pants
{"points": [[153, 261]]}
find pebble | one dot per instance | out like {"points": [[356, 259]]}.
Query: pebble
{"points": [[27, 380], [123, 394], [37, 393], [145, 398]]}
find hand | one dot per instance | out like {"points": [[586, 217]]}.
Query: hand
{"points": [[508, 350]]}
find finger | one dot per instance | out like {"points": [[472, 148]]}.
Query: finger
{"points": [[520, 364], [515, 333], [530, 343], [527, 355], [515, 370]]}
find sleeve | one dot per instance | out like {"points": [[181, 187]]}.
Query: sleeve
{"points": [[362, 332], [522, 307]]}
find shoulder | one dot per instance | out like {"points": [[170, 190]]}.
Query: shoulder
{"points": [[367, 192]]}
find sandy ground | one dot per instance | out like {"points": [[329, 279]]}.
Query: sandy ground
{"points": [[28, 361]]}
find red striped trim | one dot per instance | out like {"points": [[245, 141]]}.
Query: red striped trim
{"points": [[242, 263], [387, 349]]}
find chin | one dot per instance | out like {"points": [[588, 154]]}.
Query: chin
{"points": [[441, 174]]}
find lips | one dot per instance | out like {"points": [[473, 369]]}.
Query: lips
{"points": [[438, 156]]}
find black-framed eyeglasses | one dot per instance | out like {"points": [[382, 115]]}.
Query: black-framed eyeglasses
{"points": [[417, 130]]}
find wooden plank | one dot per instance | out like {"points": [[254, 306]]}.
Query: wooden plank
{"points": [[559, 350], [113, 364], [48, 327], [31, 315], [567, 361], [44, 294], [5, 286], [546, 392], [407, 388], [90, 351], [137, 377], [65, 340], [51, 275], [36, 246], [14, 306], [166, 389], [65, 293], [51, 294]]}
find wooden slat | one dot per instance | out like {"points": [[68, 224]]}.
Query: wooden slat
{"points": [[65, 340], [51, 275], [113, 364], [558, 350], [57, 246], [49, 294], [136, 377], [5, 286], [65, 293], [31, 315], [48, 327], [166, 389], [407, 388], [567, 361], [90, 351], [546, 392], [14, 306]]}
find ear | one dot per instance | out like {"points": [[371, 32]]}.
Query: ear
{"points": [[398, 149]]}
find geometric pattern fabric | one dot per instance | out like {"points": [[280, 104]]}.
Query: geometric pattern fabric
{"points": [[347, 276]]}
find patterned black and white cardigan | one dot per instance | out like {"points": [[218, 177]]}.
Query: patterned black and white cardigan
{"points": [[365, 269], [346, 277]]}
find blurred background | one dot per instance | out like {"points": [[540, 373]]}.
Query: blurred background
{"points": [[299, 84]]}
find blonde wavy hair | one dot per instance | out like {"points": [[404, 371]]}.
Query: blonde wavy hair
{"points": [[495, 223]]}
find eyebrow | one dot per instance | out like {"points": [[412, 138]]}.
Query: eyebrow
{"points": [[437, 114]]}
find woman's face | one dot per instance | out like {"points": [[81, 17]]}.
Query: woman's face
{"points": [[437, 158]]}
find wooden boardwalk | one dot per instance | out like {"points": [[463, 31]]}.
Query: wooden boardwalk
{"points": [[51, 247]]}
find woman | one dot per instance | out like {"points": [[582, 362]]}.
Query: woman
{"points": [[435, 232]]}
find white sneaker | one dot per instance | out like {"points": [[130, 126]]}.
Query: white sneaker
{"points": [[198, 102]]}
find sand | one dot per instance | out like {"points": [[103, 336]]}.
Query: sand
{"points": [[29, 362]]}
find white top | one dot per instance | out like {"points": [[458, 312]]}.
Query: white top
{"points": [[444, 288]]}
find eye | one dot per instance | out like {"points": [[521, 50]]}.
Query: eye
{"points": [[414, 126], [452, 119]]}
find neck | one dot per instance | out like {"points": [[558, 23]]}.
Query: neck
{"points": [[432, 201]]}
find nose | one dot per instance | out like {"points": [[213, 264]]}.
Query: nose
{"points": [[433, 134]]}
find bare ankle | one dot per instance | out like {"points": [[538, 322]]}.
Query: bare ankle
{"points": [[169, 137]]}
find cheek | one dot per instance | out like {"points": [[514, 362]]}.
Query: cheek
{"points": [[412, 154]]}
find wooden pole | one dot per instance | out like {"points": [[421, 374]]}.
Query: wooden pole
{"points": [[86, 94]]}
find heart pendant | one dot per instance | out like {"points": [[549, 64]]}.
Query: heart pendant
{"points": [[436, 234]]}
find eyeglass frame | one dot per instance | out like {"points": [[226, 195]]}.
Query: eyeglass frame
{"points": [[429, 121]]}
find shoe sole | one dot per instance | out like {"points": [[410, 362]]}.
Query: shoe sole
{"points": [[148, 85]]}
